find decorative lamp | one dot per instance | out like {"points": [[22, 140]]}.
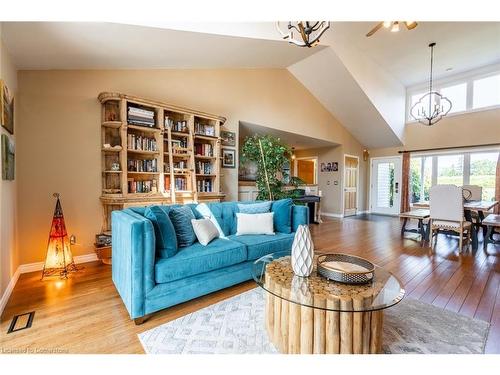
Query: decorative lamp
{"points": [[59, 259], [303, 33]]}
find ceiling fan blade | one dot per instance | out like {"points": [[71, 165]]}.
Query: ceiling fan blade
{"points": [[374, 30], [411, 25]]}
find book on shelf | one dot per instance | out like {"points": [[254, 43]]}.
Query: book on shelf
{"points": [[180, 183], [204, 149], [181, 164], [166, 180], [142, 186], [137, 165], [203, 167], [204, 129], [176, 126], [142, 117], [179, 143], [138, 142], [204, 186]]}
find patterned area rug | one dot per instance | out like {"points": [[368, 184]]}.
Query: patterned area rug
{"points": [[236, 326]]}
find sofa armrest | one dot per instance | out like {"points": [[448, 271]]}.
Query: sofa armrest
{"points": [[300, 215], [133, 254]]}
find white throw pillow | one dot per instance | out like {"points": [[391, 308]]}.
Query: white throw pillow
{"points": [[205, 230], [206, 212], [254, 223]]}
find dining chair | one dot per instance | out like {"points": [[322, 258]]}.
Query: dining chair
{"points": [[472, 192], [447, 213]]}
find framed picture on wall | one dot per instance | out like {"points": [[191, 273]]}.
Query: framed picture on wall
{"points": [[228, 158], [8, 155], [228, 138], [6, 108], [329, 167]]}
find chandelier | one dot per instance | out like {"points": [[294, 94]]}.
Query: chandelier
{"points": [[303, 33], [433, 106]]}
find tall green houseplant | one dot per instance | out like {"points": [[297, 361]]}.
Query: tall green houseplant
{"points": [[270, 154]]}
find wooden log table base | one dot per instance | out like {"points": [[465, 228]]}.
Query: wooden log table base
{"points": [[297, 329]]}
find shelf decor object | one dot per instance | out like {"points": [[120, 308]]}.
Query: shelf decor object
{"points": [[155, 153], [59, 259], [432, 106], [303, 33], [302, 252], [344, 268]]}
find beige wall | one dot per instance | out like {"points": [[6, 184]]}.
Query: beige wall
{"points": [[8, 249], [59, 133], [332, 193]]}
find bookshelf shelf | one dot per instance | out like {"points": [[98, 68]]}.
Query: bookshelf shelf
{"points": [[153, 135], [112, 124], [143, 128], [143, 152]]}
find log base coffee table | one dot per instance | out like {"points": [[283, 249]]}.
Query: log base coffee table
{"points": [[312, 315]]}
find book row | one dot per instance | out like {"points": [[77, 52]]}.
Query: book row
{"points": [[204, 149], [134, 165], [139, 142], [147, 186], [204, 167], [204, 186], [204, 129]]}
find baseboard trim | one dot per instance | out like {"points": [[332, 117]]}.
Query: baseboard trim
{"points": [[8, 290], [331, 214], [33, 267]]}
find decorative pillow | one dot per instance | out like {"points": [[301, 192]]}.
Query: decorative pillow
{"points": [[254, 223], [181, 219], [205, 230], [166, 239], [207, 213], [282, 215], [255, 208]]}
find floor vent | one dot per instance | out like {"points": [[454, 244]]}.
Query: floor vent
{"points": [[21, 321]]}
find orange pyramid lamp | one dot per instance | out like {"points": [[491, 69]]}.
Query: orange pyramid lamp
{"points": [[59, 259]]}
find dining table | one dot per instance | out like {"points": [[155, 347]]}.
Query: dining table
{"points": [[470, 206]]}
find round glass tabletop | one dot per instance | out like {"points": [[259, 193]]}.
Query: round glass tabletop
{"points": [[274, 274]]}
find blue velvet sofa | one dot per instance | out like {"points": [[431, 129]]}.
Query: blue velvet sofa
{"points": [[148, 283]]}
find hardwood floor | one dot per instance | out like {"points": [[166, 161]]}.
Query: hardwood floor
{"points": [[85, 314]]}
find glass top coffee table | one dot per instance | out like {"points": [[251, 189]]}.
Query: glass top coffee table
{"points": [[314, 315]]}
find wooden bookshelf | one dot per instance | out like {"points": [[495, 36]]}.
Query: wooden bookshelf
{"points": [[156, 146]]}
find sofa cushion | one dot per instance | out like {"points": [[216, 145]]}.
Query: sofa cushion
{"points": [[166, 239], [197, 259], [181, 219], [255, 223], [225, 214], [254, 208], [259, 245], [282, 215], [205, 230]]}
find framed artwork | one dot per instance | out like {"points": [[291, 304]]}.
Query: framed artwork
{"points": [[228, 138], [329, 167], [6, 108], [8, 152], [228, 158]]}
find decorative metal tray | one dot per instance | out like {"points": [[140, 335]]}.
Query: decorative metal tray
{"points": [[344, 268]]}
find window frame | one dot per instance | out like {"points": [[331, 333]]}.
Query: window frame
{"points": [[466, 165], [468, 78]]}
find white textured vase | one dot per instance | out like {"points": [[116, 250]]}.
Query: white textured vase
{"points": [[302, 252]]}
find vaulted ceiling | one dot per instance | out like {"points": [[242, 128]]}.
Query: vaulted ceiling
{"points": [[361, 81]]}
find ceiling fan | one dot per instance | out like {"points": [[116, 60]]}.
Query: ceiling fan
{"points": [[394, 26]]}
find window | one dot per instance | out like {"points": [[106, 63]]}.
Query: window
{"points": [[469, 92], [474, 168], [483, 171], [420, 178], [450, 169], [486, 92], [457, 95]]}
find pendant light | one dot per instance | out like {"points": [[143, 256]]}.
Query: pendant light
{"points": [[433, 106], [308, 32]]}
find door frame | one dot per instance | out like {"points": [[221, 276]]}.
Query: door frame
{"points": [[370, 167], [343, 184], [316, 162]]}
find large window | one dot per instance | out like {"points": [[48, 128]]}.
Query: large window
{"points": [[486, 92], [467, 93], [468, 168], [450, 169]]}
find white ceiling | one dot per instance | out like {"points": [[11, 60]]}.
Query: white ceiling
{"points": [[298, 141], [76, 45], [461, 46]]}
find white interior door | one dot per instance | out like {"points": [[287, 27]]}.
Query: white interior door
{"points": [[385, 186]]}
